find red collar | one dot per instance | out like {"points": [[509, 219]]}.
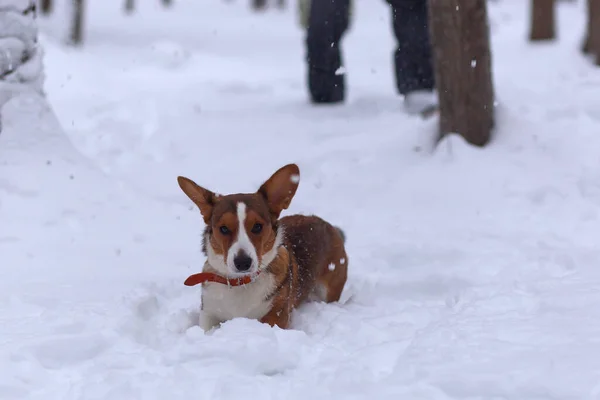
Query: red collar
{"points": [[203, 277]]}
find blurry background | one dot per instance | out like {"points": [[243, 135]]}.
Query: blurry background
{"points": [[473, 270]]}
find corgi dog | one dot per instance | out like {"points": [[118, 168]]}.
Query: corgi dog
{"points": [[260, 266]]}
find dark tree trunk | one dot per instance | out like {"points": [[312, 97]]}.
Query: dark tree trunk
{"points": [[46, 6], [167, 3], [463, 70], [591, 43], [587, 41], [261, 4], [76, 36], [129, 6], [594, 12], [543, 24]]}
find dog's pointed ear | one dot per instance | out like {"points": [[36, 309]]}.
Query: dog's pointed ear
{"points": [[203, 198], [281, 188]]}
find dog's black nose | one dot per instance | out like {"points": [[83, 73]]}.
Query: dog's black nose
{"points": [[242, 262]]}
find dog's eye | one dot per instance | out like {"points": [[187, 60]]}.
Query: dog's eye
{"points": [[257, 228], [224, 230]]}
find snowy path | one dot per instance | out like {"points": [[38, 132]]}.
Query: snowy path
{"points": [[473, 274]]}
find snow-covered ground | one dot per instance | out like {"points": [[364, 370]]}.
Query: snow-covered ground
{"points": [[474, 274]]}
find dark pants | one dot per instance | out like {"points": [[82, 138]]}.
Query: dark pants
{"points": [[328, 21]]}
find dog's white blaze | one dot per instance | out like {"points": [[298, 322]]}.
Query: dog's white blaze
{"points": [[242, 243]]}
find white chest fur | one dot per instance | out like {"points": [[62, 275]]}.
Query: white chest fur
{"points": [[221, 303]]}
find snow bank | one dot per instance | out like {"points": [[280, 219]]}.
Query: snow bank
{"points": [[20, 53]]}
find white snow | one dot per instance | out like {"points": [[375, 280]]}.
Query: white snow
{"points": [[473, 274]]}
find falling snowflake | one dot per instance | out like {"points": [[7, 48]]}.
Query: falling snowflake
{"points": [[340, 71]]}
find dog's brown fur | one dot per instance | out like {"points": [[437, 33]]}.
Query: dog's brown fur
{"points": [[310, 246]]}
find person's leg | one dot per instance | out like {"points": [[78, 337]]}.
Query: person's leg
{"points": [[413, 59], [328, 20]]}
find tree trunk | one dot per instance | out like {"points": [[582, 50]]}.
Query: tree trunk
{"points": [[129, 6], [76, 37], [46, 6], [594, 11], [260, 4], [463, 71], [542, 20], [167, 3], [586, 48], [591, 43]]}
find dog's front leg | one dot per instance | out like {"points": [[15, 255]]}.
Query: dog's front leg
{"points": [[277, 316], [208, 321]]}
